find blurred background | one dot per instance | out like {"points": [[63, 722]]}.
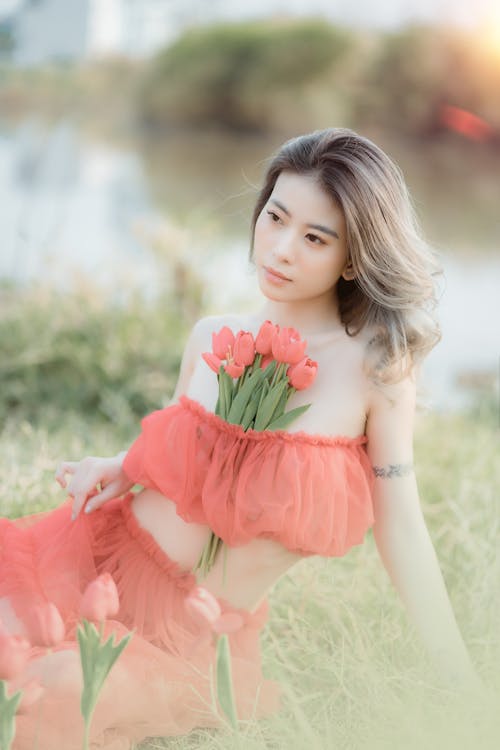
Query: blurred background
{"points": [[134, 135]]}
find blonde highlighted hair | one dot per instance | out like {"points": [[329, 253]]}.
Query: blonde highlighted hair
{"points": [[393, 292]]}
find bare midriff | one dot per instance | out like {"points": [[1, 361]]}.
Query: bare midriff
{"points": [[252, 569]]}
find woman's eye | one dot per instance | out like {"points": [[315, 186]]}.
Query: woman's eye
{"points": [[273, 216], [315, 237]]}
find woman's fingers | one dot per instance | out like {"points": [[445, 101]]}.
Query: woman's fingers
{"points": [[111, 490], [65, 467]]}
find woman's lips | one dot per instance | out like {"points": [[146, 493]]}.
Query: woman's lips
{"points": [[274, 277]]}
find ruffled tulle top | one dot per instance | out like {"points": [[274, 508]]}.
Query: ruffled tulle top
{"points": [[311, 493]]}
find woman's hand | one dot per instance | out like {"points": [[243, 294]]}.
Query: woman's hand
{"points": [[87, 474]]}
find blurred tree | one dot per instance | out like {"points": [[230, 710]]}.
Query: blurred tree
{"points": [[230, 75]]}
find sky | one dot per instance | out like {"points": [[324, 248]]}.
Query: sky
{"points": [[383, 13]]}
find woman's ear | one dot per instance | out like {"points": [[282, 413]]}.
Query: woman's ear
{"points": [[348, 272]]}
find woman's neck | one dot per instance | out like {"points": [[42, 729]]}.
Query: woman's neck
{"points": [[307, 321]]}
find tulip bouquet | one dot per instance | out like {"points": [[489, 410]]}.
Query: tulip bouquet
{"points": [[256, 377]]}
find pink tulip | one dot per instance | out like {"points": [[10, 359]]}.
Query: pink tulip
{"points": [[265, 336], [228, 622], [100, 599], [234, 370], [222, 342], [244, 348], [45, 625], [302, 374], [202, 605], [14, 655], [205, 609], [287, 346], [212, 361]]}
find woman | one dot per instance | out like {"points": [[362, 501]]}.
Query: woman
{"points": [[339, 259]]}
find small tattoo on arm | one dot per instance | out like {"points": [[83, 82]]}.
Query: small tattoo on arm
{"points": [[393, 470]]}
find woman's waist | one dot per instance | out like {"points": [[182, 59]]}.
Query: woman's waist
{"points": [[250, 570]]}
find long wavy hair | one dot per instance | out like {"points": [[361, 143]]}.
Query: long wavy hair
{"points": [[394, 289]]}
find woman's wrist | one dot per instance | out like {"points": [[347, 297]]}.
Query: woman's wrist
{"points": [[121, 456]]}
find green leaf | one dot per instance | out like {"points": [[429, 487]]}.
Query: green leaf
{"points": [[241, 400], [251, 409], [225, 692], [284, 420], [264, 392], [269, 403], [280, 406], [97, 659], [227, 385], [270, 369]]}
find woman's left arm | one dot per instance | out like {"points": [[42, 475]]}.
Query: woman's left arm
{"points": [[401, 534]]}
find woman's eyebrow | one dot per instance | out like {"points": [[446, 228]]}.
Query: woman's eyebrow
{"points": [[313, 226]]}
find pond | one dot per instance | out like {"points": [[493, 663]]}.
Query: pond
{"points": [[74, 209]]}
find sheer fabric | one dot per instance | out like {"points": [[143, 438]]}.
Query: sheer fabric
{"points": [[161, 684], [311, 493]]}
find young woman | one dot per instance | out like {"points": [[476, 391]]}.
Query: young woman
{"points": [[338, 258]]}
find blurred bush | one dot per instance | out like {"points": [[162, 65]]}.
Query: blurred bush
{"points": [[417, 70], [80, 354], [237, 75]]}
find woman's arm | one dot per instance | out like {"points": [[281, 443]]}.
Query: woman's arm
{"points": [[402, 537], [91, 471]]}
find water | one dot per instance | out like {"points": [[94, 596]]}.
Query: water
{"points": [[71, 209]]}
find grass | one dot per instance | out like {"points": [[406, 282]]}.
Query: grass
{"points": [[338, 639]]}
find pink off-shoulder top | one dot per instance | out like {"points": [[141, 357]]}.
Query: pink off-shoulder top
{"points": [[311, 493]]}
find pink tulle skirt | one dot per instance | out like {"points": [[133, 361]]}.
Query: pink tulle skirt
{"points": [[163, 682]]}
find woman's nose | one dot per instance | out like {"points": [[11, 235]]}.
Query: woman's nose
{"points": [[284, 247]]}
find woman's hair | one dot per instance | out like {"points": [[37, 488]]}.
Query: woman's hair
{"points": [[393, 292]]}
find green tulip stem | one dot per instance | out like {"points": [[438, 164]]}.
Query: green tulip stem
{"points": [[280, 370], [8, 708]]}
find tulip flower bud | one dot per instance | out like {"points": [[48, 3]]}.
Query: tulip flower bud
{"points": [[45, 625], [265, 336], [228, 622], [244, 348], [302, 374], [287, 346], [202, 606], [222, 341], [100, 599]]}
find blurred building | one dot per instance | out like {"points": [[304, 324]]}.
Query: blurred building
{"points": [[48, 30], [135, 28], [73, 30]]}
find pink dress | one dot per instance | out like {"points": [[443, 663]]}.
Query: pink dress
{"points": [[311, 493]]}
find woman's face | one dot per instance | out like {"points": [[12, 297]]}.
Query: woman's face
{"points": [[301, 234]]}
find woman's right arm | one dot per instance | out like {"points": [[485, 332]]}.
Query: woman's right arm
{"points": [[92, 471]]}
